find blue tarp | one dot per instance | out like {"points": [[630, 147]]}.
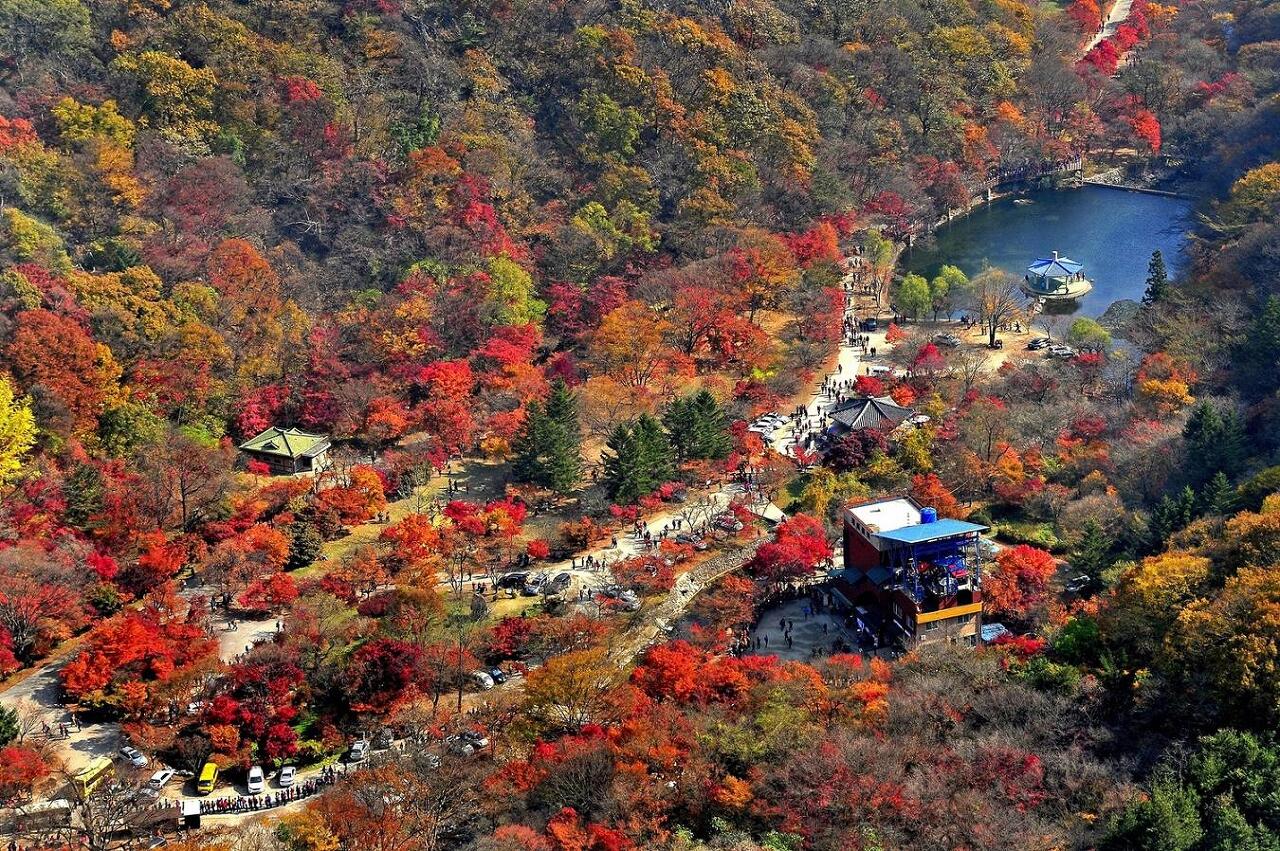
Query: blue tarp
{"points": [[1055, 267], [945, 528]]}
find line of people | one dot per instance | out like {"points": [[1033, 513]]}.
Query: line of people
{"points": [[249, 803]]}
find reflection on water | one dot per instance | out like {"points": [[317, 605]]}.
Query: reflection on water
{"points": [[1110, 231]]}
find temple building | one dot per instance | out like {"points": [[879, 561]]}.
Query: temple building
{"points": [[288, 451]]}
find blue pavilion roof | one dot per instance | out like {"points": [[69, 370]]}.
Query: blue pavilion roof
{"points": [[1054, 267], [943, 528]]}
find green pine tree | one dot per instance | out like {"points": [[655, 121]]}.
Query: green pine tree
{"points": [[563, 467], [638, 458], [1093, 555], [548, 450], [1215, 442], [530, 445], [681, 423], [659, 456], [83, 490], [305, 544], [714, 442], [1218, 496], [698, 428], [1256, 360], [9, 727], [623, 465], [1157, 280]]}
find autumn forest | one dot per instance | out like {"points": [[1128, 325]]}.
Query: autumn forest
{"points": [[510, 425]]}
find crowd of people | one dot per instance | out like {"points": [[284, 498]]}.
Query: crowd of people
{"points": [[250, 803]]}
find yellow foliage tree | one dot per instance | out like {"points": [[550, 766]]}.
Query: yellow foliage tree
{"points": [[17, 432]]}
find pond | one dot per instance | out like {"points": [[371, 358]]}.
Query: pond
{"points": [[1111, 231]]}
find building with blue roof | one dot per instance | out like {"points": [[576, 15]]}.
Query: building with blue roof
{"points": [[912, 577], [1056, 278]]}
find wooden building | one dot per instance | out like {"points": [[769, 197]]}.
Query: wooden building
{"points": [[288, 451]]}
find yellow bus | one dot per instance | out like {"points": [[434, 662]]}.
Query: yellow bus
{"points": [[93, 775], [208, 779]]}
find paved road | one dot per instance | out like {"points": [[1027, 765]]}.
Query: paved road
{"points": [[847, 365], [1119, 12]]}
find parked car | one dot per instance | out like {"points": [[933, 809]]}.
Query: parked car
{"points": [[513, 580], [208, 778], [1059, 351], [948, 340], [729, 523], [988, 548], [459, 745], [533, 585], [359, 751], [478, 740], [287, 775], [1076, 584], [498, 675], [482, 679], [691, 540], [134, 756], [257, 780], [160, 778], [870, 324], [629, 600], [559, 585], [1038, 343]]}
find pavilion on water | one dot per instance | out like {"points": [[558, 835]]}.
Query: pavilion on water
{"points": [[1056, 278]]}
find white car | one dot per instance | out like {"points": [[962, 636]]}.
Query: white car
{"points": [[257, 780], [135, 756], [286, 777], [1059, 351], [359, 750], [160, 778], [482, 679]]}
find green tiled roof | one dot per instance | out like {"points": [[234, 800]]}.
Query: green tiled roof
{"points": [[286, 442]]}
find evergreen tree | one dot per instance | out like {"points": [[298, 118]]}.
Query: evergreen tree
{"points": [[305, 544], [656, 446], [1157, 280], [548, 450], [1093, 556], [563, 467], [531, 443], [9, 727], [1171, 515], [637, 460], [698, 428], [83, 490], [1256, 360], [1218, 496], [1215, 442]]}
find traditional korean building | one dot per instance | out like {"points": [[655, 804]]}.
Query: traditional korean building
{"points": [[880, 413], [288, 451]]}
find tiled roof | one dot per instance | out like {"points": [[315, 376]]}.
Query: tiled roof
{"points": [[869, 412], [287, 443]]}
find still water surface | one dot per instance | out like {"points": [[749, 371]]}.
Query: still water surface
{"points": [[1111, 231]]}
